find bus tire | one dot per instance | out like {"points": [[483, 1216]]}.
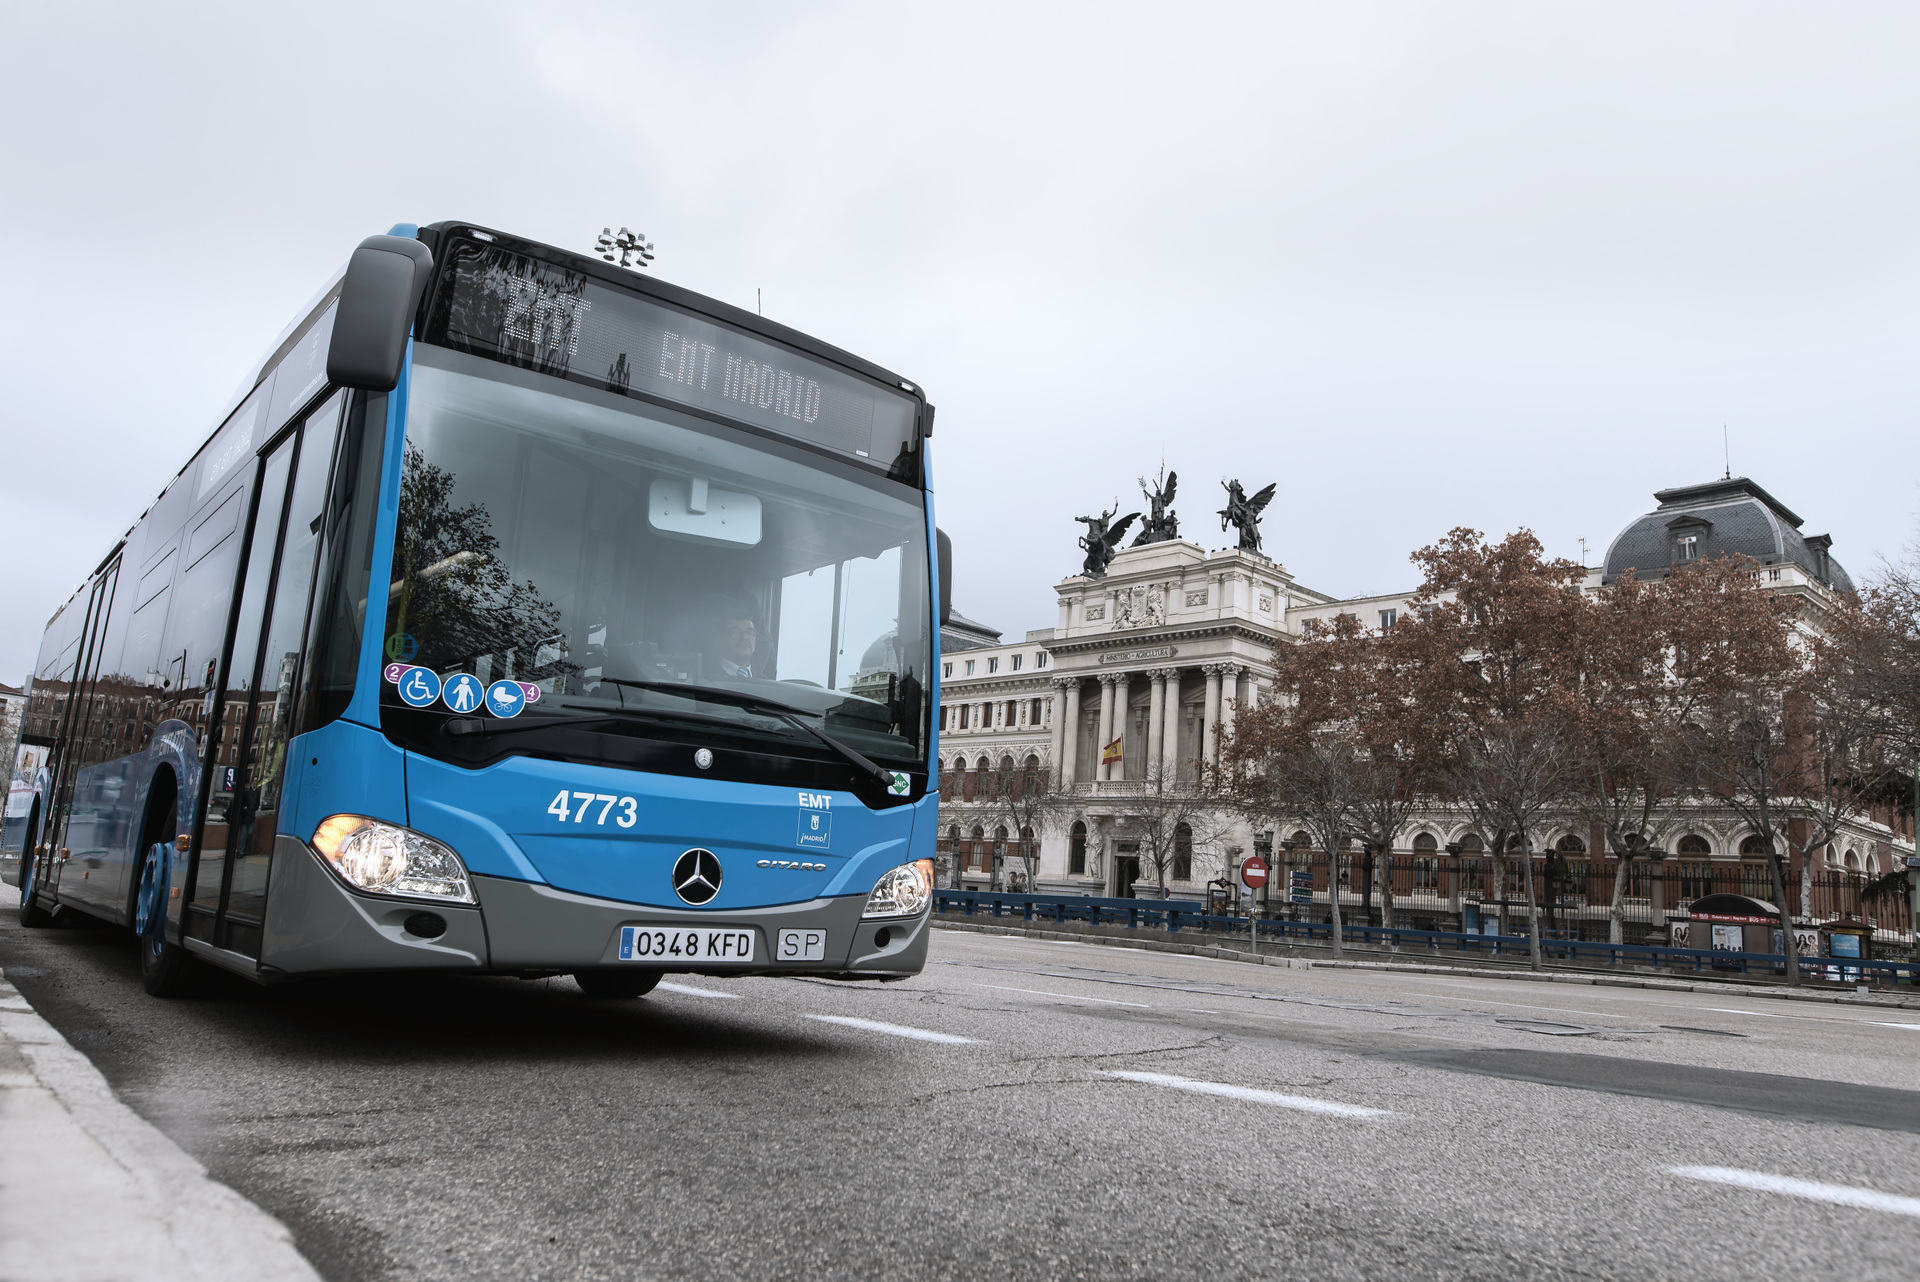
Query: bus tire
{"points": [[616, 983], [165, 968]]}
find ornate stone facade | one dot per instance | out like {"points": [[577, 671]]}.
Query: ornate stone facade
{"points": [[1154, 659]]}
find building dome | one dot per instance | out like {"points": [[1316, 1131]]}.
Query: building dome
{"points": [[1731, 517]]}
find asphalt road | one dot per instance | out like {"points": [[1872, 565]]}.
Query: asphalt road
{"points": [[1022, 1110]]}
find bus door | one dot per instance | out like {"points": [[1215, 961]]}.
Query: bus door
{"points": [[262, 678], [73, 726]]}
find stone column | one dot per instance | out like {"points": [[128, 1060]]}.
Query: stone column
{"points": [[1106, 724], [1210, 727], [1156, 718], [1070, 732], [1170, 737], [1122, 696], [1058, 740], [1249, 690], [1229, 697]]}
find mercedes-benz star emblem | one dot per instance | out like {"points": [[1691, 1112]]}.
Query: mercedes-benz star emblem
{"points": [[696, 876]]}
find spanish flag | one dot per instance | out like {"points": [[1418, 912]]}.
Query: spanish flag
{"points": [[1110, 754]]}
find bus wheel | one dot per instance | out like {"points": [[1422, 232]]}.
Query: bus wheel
{"points": [[165, 968], [31, 913], [616, 983]]}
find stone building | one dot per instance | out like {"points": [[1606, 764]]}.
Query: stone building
{"points": [[1146, 667]]}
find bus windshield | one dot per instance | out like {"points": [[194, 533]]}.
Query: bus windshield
{"points": [[589, 548]]}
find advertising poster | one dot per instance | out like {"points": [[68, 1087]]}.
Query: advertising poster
{"points": [[1729, 939]]}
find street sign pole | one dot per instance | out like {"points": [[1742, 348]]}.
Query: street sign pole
{"points": [[1253, 875]]}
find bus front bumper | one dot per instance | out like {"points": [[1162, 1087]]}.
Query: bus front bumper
{"points": [[315, 925]]}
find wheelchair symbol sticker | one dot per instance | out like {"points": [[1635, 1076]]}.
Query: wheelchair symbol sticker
{"points": [[506, 698], [463, 692], [419, 687]]}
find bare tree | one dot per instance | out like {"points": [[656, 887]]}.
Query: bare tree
{"points": [[1329, 752], [1491, 648], [1172, 819], [1025, 798]]}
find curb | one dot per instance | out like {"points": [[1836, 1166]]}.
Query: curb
{"points": [[1750, 991], [214, 1232]]}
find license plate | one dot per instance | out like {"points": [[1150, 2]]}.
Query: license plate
{"points": [[682, 943], [803, 945]]}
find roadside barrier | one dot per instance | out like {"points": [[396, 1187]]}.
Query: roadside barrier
{"points": [[1190, 914]]}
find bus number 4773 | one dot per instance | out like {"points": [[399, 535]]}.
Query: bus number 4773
{"points": [[585, 802]]}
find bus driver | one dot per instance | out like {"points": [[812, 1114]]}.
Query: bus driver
{"points": [[734, 641]]}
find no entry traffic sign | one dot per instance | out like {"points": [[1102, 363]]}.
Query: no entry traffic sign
{"points": [[1253, 873]]}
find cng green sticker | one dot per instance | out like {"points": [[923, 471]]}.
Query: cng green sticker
{"points": [[901, 783]]}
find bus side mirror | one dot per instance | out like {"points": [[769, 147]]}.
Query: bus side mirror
{"points": [[381, 292], [946, 575]]}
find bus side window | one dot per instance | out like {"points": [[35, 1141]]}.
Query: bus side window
{"points": [[345, 559]]}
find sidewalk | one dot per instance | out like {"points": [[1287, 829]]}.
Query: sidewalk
{"points": [[89, 1191]]}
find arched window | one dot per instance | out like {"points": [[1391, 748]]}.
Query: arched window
{"points": [[1755, 846], [969, 785], [1693, 844], [1473, 869], [1028, 847], [1006, 780], [1570, 845], [1030, 776], [983, 779], [1077, 849], [976, 857], [1426, 862], [1183, 853], [1853, 861]]}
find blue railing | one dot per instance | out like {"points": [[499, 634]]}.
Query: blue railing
{"points": [[1190, 914]]}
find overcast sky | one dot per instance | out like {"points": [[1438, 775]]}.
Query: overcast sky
{"points": [[1424, 265]]}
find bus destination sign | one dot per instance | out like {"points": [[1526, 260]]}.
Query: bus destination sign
{"points": [[541, 316]]}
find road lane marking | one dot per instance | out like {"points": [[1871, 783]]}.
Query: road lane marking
{"points": [[1068, 997], [1757, 1014], [894, 1030], [1884, 1024], [691, 991], [1837, 1194], [1299, 1103]]}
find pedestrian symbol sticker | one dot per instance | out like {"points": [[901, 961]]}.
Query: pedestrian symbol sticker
{"points": [[462, 693], [506, 698], [816, 829], [419, 687]]}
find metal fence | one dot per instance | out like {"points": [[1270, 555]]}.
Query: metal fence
{"points": [[1574, 894], [1191, 915]]}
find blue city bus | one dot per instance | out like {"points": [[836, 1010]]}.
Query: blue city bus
{"points": [[523, 616]]}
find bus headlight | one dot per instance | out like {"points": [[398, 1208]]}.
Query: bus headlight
{"points": [[389, 860], [903, 892]]}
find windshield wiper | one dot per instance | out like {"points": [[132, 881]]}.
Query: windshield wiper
{"points": [[787, 712], [460, 726]]}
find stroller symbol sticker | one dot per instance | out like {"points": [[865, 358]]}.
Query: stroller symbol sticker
{"points": [[506, 698]]}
